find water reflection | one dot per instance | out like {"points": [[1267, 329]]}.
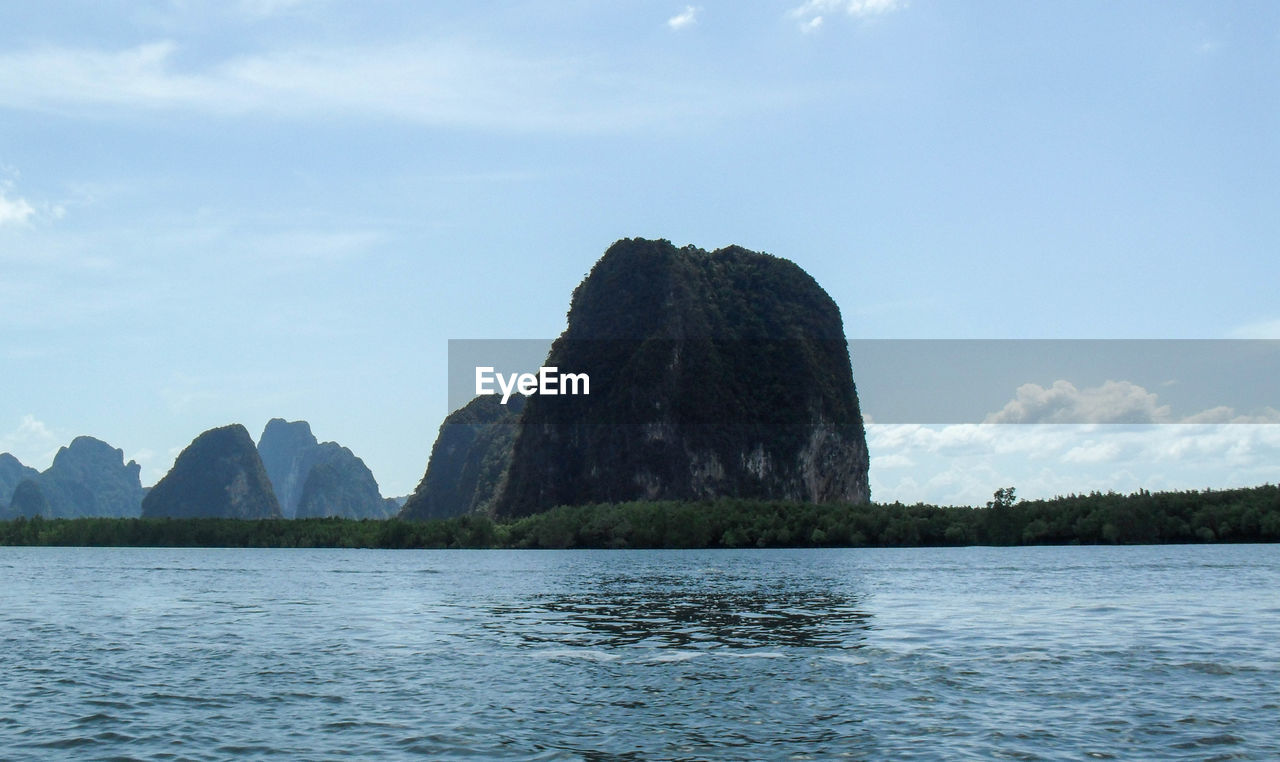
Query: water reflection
{"points": [[684, 613]]}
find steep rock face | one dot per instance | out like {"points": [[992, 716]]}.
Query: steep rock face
{"points": [[340, 485], [468, 460], [345, 488], [12, 472], [289, 452], [219, 475], [88, 478], [712, 374]]}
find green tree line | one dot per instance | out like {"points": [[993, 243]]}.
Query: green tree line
{"points": [[1237, 515]]}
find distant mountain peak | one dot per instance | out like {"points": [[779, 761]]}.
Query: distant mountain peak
{"points": [[12, 473], [218, 475], [344, 487], [87, 478]]}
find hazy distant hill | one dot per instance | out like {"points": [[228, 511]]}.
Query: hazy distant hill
{"points": [[28, 501], [87, 478], [219, 475], [11, 473], [315, 479], [287, 451], [341, 486]]}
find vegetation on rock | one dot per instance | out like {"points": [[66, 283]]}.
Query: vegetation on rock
{"points": [[87, 478], [315, 479], [12, 473], [713, 374], [468, 461], [219, 475], [1238, 515]]}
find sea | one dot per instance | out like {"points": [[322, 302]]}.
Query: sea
{"points": [[1039, 653]]}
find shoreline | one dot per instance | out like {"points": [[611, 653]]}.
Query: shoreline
{"points": [[1248, 515]]}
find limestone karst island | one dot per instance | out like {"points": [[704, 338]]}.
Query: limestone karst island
{"points": [[722, 412]]}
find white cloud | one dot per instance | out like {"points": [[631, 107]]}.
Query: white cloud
{"points": [[14, 211], [895, 460], [32, 442], [1093, 451], [812, 25], [962, 464], [1113, 402], [873, 7], [1266, 329], [686, 18], [1224, 414], [433, 83], [811, 14]]}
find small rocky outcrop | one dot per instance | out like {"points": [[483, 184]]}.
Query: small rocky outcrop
{"points": [[219, 475]]}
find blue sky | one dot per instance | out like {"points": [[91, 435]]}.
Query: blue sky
{"points": [[230, 211]]}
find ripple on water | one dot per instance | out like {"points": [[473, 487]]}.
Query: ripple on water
{"points": [[578, 654], [931, 653], [676, 656]]}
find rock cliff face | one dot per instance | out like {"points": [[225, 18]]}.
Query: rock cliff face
{"points": [[219, 475], [468, 460], [712, 374], [288, 451], [343, 487], [88, 478]]}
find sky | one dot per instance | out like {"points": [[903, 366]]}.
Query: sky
{"points": [[216, 212]]}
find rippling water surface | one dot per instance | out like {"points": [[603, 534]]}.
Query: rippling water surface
{"points": [[1022, 653]]}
